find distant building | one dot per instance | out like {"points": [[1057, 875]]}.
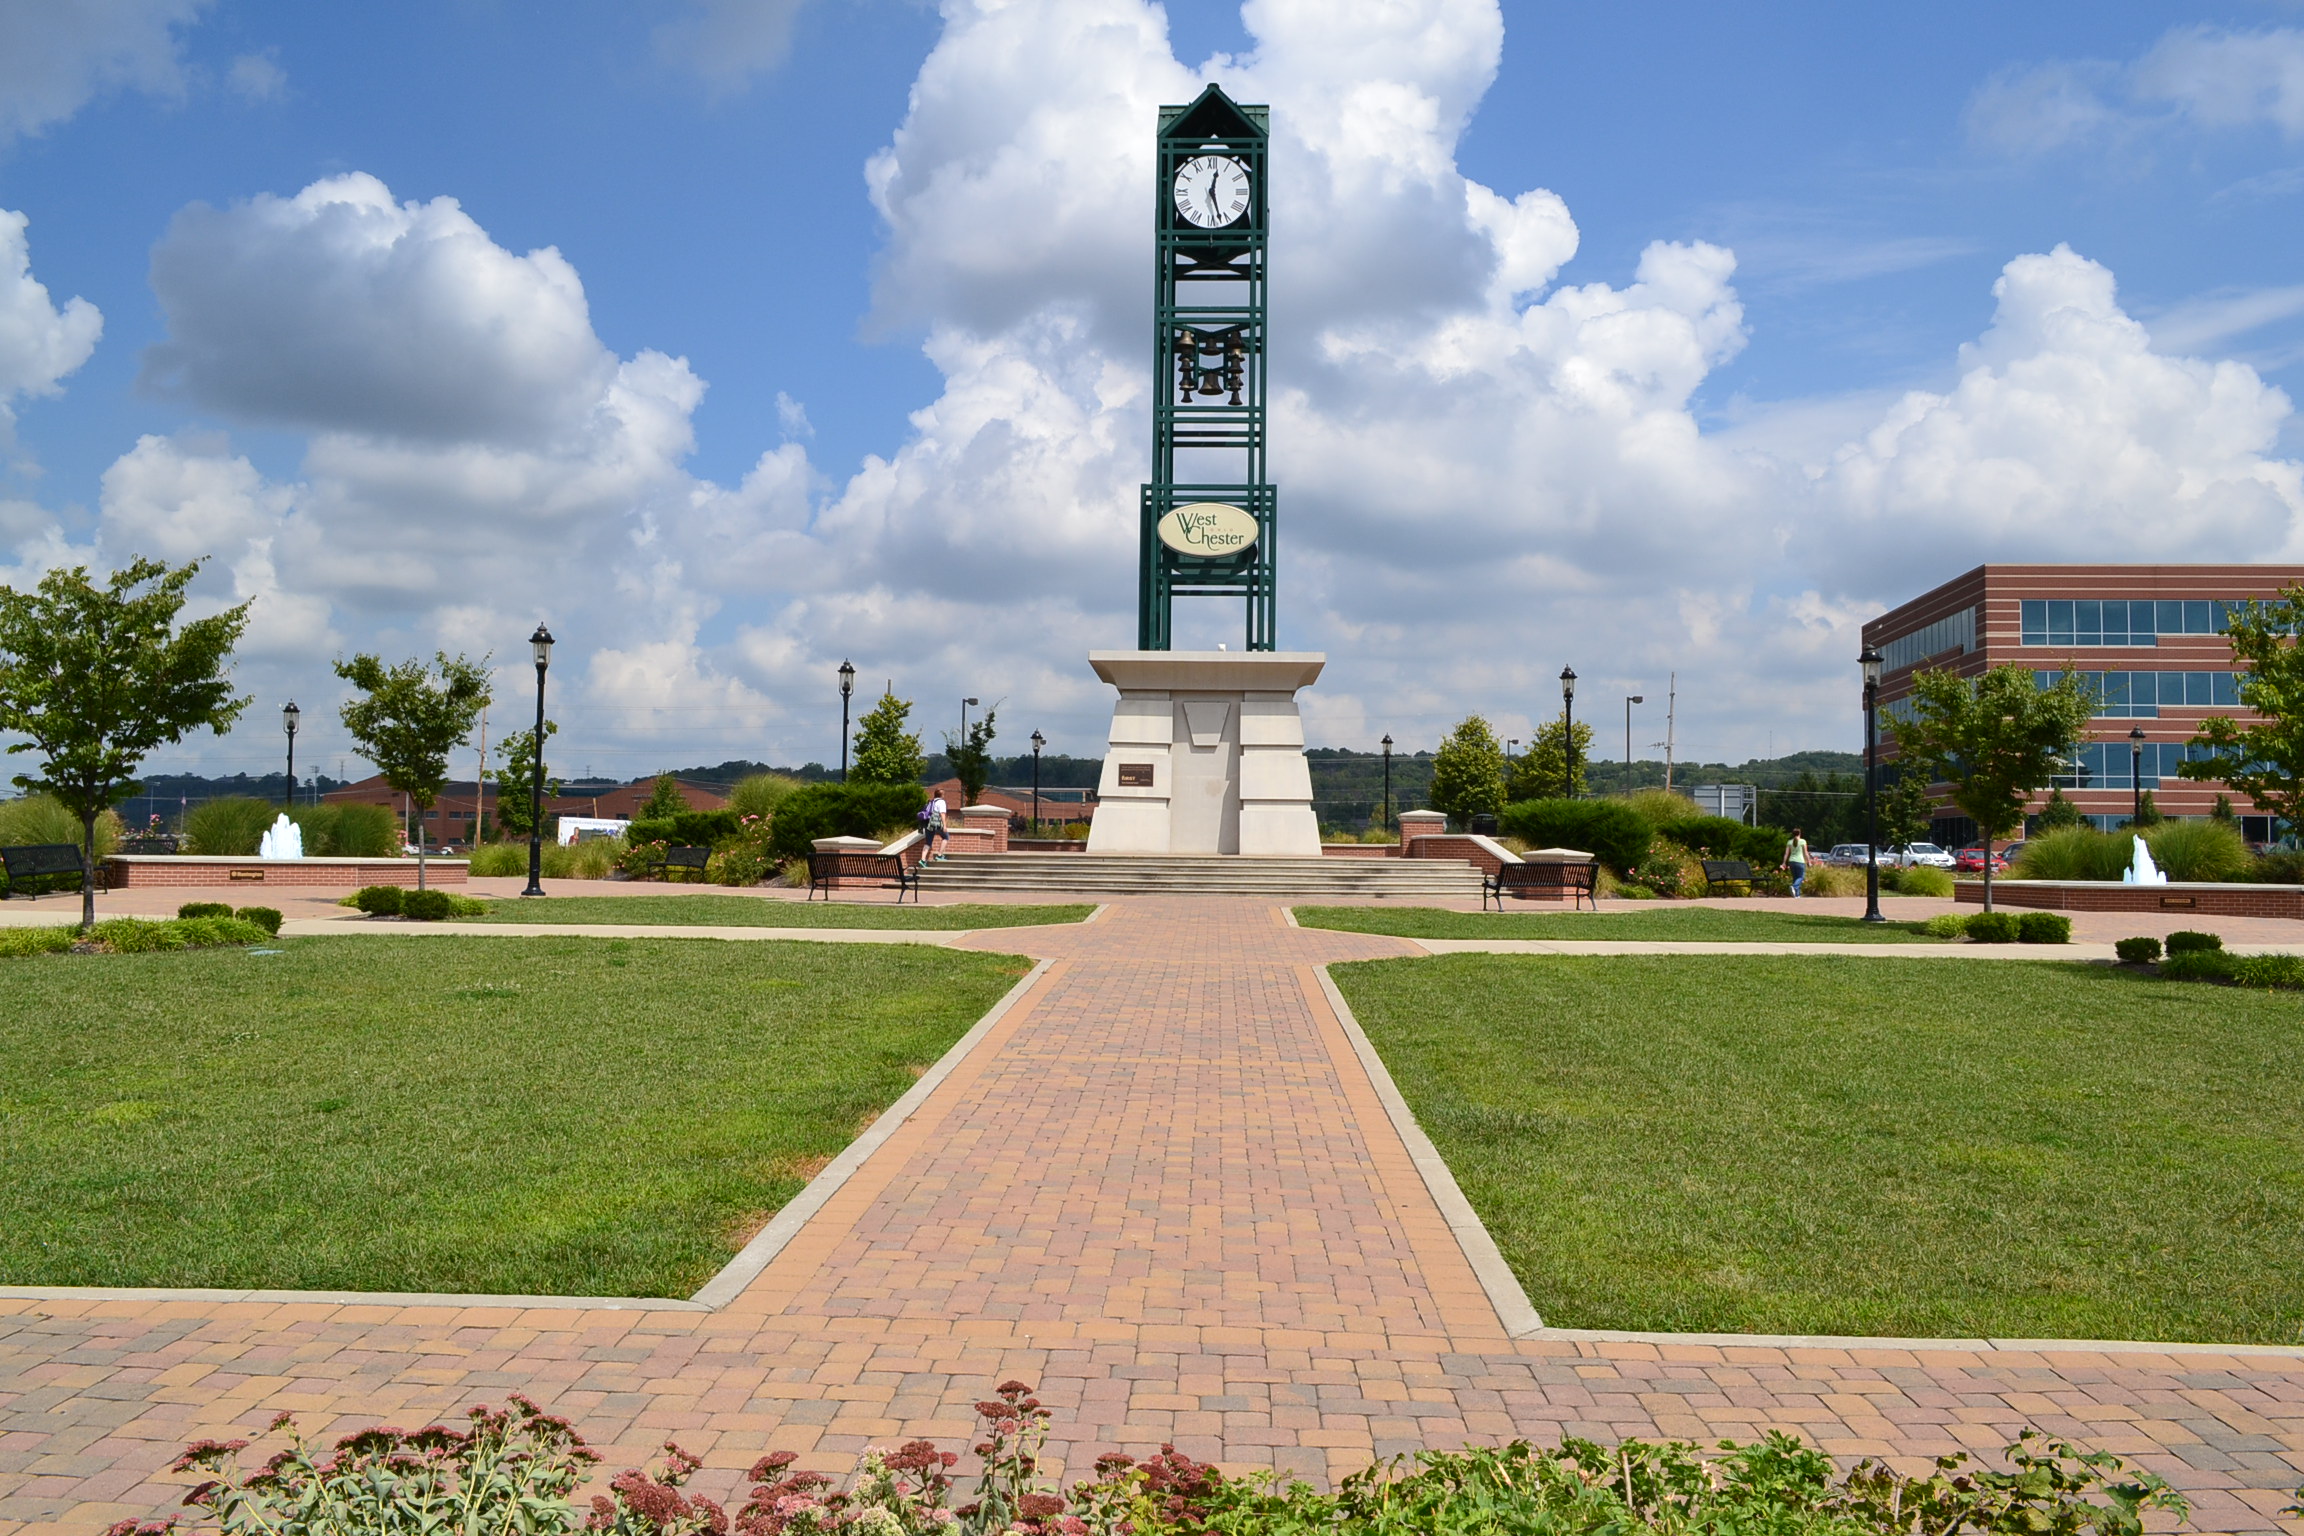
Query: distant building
{"points": [[2149, 639], [450, 819]]}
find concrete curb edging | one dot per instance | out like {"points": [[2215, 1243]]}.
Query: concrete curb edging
{"points": [[1513, 1308], [759, 1253], [717, 1292]]}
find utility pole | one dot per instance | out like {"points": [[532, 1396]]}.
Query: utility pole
{"points": [[1671, 709], [480, 780]]}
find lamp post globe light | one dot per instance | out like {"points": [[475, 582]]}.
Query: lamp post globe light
{"points": [[1870, 662], [1038, 741], [2136, 776], [1388, 821], [1568, 730], [1630, 699], [291, 716], [847, 692], [540, 644]]}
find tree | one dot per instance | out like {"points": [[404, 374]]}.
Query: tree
{"points": [[96, 677], [409, 723], [2222, 812], [517, 779], [2147, 813], [2264, 760], [1468, 771], [1995, 740], [886, 753], [665, 799], [1906, 810], [972, 759], [1542, 774], [2060, 813]]}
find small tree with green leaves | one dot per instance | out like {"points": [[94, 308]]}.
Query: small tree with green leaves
{"points": [[2060, 813], [1468, 772], [665, 799], [1542, 772], [409, 720], [886, 753], [516, 781], [94, 677], [971, 758], [1996, 740], [2221, 812], [2147, 813], [1905, 810], [2264, 759]]}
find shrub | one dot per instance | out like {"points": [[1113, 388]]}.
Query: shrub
{"points": [[1635, 893], [135, 936], [1919, 880], [2285, 972], [2279, 866], [1832, 880], [499, 860], [2044, 928], [1664, 869], [427, 906], [379, 900], [1717, 837], [1657, 806], [746, 858], [2185, 941], [760, 794], [2197, 965], [232, 826], [2199, 850], [348, 831], [1609, 830], [686, 829], [2074, 853], [43, 819], [1992, 927], [2141, 951], [841, 810], [17, 943], [1946, 925], [266, 918], [204, 909]]}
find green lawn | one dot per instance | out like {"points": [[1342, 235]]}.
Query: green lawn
{"points": [[1705, 924], [1816, 1145], [560, 1116], [760, 912]]}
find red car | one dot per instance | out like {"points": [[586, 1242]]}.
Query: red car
{"points": [[1971, 859]]}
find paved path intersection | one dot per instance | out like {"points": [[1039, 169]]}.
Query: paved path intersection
{"points": [[1163, 1188]]}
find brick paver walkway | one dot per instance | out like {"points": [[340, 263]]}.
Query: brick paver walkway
{"points": [[1163, 1189]]}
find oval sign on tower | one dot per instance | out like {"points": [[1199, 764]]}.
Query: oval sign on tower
{"points": [[1209, 529]]}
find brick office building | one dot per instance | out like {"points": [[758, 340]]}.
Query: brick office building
{"points": [[2150, 637]]}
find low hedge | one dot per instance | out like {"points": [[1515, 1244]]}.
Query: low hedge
{"points": [[2139, 951], [842, 810], [1718, 837], [1609, 830], [132, 936], [685, 829]]}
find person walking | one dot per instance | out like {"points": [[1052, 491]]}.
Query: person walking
{"points": [[1796, 860], [937, 809]]}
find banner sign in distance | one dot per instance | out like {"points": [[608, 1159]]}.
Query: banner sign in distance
{"points": [[1209, 529]]}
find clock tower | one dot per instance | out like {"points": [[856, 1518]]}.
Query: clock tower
{"points": [[1207, 747]]}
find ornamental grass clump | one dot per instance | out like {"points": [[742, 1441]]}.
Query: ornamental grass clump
{"points": [[2200, 850], [2074, 853]]}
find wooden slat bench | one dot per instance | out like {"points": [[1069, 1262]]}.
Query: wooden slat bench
{"points": [[34, 862]]}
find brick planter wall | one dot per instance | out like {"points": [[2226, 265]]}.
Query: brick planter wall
{"points": [[2210, 900], [143, 871], [1360, 850]]}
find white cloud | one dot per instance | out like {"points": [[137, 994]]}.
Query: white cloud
{"points": [[55, 55], [257, 77], [727, 42], [2200, 77], [40, 344]]}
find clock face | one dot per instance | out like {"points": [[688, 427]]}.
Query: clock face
{"points": [[1212, 190]]}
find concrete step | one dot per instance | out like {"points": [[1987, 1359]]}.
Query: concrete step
{"points": [[1186, 874]]}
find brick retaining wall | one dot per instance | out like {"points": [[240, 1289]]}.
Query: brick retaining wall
{"points": [[144, 871], [2209, 900]]}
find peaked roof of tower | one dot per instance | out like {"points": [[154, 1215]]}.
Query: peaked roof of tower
{"points": [[1217, 116]]}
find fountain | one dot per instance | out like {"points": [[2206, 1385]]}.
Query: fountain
{"points": [[285, 840], [2143, 871]]}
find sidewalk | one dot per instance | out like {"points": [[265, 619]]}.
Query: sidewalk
{"points": [[1163, 1189]]}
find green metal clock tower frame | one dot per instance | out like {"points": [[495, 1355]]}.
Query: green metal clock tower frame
{"points": [[1208, 373]]}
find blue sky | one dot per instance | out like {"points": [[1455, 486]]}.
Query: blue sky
{"points": [[1647, 339]]}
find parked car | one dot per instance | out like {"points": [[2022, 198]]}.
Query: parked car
{"points": [[2008, 854], [1971, 859], [1851, 855], [1927, 854]]}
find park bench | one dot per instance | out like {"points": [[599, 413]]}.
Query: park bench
{"points": [[677, 858], [35, 862], [1719, 872], [1546, 877], [849, 865]]}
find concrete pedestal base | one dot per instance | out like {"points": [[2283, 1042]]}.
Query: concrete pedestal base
{"points": [[1207, 754]]}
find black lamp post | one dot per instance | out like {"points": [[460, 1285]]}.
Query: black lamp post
{"points": [[541, 644], [1568, 729], [1871, 663], [2136, 775], [290, 716], [1630, 699], [1388, 823], [847, 692], [1038, 741]]}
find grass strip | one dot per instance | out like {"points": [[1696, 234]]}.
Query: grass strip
{"points": [[1784, 1144], [1690, 924], [764, 912], [562, 1116]]}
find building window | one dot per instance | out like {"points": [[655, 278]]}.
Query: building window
{"points": [[2142, 695], [2121, 621], [1957, 632], [2107, 764]]}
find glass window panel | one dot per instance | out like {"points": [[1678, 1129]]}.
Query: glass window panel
{"points": [[2227, 687], [2115, 623], [2140, 625], [2169, 618], [2172, 688], [2060, 622], [2088, 622], [2198, 690], [2035, 621], [2116, 692], [2196, 619]]}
